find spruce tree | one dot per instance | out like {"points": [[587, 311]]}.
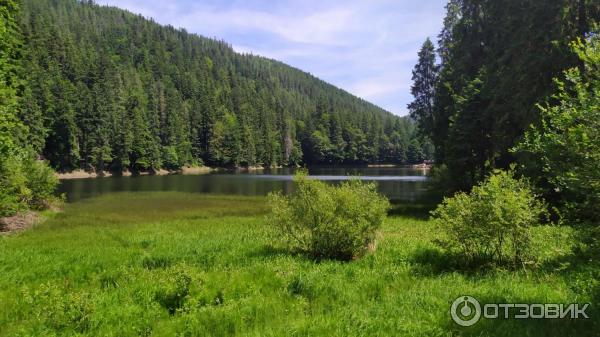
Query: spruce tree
{"points": [[424, 78]]}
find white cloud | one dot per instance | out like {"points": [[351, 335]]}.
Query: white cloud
{"points": [[370, 89], [326, 28], [377, 87], [365, 47]]}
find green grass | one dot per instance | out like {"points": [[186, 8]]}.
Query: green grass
{"points": [[166, 264]]}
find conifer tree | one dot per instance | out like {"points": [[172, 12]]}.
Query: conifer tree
{"points": [[424, 78]]}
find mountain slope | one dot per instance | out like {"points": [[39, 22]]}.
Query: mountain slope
{"points": [[107, 89]]}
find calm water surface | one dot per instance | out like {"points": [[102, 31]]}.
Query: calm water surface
{"points": [[394, 182]]}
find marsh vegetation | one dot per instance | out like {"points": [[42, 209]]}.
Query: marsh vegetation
{"points": [[167, 263]]}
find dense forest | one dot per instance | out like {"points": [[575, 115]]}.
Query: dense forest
{"points": [[109, 90], [478, 92], [25, 183]]}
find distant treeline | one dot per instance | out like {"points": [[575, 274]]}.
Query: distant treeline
{"points": [[107, 89]]}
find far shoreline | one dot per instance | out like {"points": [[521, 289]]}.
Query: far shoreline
{"points": [[82, 174], [188, 170], [199, 170]]}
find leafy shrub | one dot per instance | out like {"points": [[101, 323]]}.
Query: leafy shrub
{"points": [[60, 308], [493, 222], [41, 181], [172, 288], [329, 221], [13, 189], [25, 183]]}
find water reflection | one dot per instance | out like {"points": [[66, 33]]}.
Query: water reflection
{"points": [[395, 183]]}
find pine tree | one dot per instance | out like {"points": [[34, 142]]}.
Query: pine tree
{"points": [[424, 78]]}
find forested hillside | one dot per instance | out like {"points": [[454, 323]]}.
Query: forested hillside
{"points": [[107, 89], [498, 61]]}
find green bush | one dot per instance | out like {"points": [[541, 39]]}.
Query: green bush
{"points": [[13, 190], [25, 183], [492, 223], [60, 308], [41, 181], [328, 221], [172, 287]]}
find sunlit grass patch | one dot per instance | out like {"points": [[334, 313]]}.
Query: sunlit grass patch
{"points": [[163, 264]]}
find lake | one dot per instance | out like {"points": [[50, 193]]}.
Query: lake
{"points": [[397, 183]]}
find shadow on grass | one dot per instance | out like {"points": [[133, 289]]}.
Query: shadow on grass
{"points": [[580, 271], [436, 261], [271, 251], [417, 209], [414, 210], [585, 255]]}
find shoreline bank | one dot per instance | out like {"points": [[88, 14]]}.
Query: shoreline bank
{"points": [[197, 170], [194, 170], [82, 174]]}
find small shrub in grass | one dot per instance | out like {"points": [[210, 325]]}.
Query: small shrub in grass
{"points": [[60, 308], [492, 223], [328, 221], [155, 262], [172, 288]]}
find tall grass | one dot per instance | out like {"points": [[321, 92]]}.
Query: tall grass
{"points": [[166, 264]]}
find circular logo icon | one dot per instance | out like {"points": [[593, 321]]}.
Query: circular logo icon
{"points": [[465, 311]]}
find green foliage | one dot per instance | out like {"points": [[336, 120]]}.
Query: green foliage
{"points": [[492, 76], [12, 180], [225, 144], [13, 185], [24, 182], [82, 273], [41, 181], [60, 308], [424, 77], [9, 56], [564, 151], [170, 159], [109, 90], [172, 287], [493, 222], [326, 221]]}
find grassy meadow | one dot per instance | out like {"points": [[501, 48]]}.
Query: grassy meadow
{"points": [[177, 264]]}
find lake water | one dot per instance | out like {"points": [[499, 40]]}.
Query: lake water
{"points": [[396, 183]]}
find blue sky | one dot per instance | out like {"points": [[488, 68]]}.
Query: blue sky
{"points": [[367, 47]]}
